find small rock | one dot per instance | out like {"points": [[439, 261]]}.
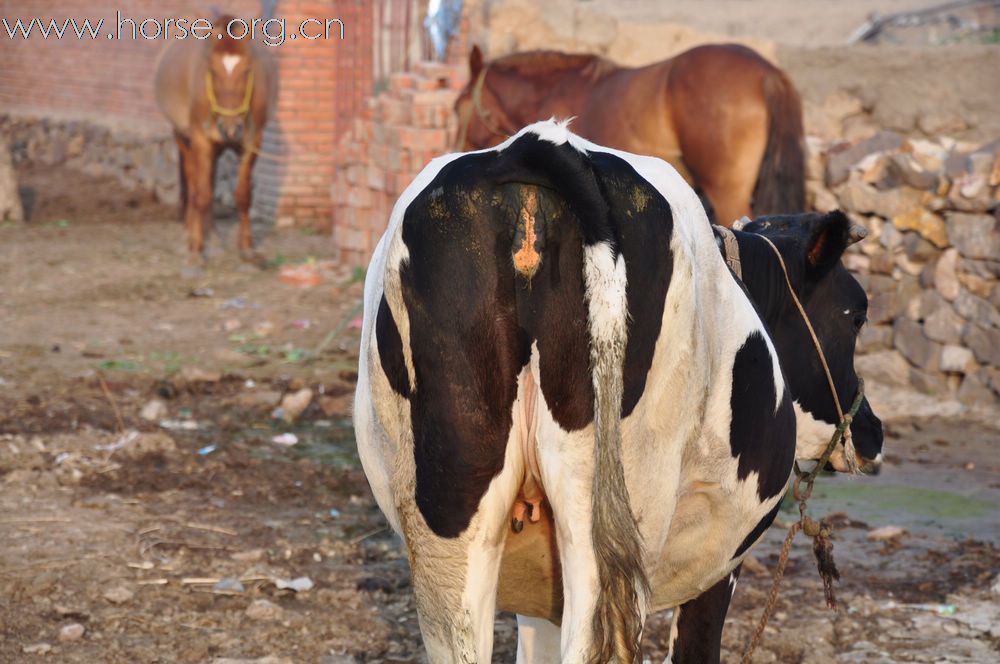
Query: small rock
{"points": [[36, 649], [886, 367], [929, 225], [262, 609], [858, 196], [874, 338], [839, 164], [973, 391], [976, 309], [118, 595], [974, 235], [945, 276], [957, 359], [71, 632], [251, 556], [259, 398], [983, 342], [293, 404], [198, 375], [154, 410], [944, 325], [886, 534], [910, 171], [910, 340]]}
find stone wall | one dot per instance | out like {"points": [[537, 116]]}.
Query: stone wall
{"points": [[10, 198], [136, 158], [931, 264], [397, 134]]}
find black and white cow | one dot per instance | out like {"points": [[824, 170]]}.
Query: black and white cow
{"points": [[551, 332]]}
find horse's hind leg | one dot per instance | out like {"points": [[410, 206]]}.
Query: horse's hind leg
{"points": [[182, 179], [244, 192], [198, 173]]}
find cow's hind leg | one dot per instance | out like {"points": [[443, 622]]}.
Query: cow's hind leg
{"points": [[455, 578], [696, 630]]}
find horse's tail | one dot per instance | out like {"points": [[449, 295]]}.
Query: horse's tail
{"points": [[781, 180]]}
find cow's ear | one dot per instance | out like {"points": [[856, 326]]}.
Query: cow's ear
{"points": [[828, 238], [475, 61]]}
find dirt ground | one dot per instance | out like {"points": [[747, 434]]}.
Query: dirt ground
{"points": [[168, 539]]}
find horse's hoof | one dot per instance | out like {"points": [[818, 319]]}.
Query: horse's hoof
{"points": [[254, 258], [194, 267]]}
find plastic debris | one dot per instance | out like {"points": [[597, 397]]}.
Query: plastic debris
{"points": [[229, 584], [300, 585], [238, 303], [334, 513], [886, 533], [120, 442], [205, 451], [179, 425], [287, 439]]}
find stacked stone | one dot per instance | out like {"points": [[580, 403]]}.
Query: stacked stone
{"points": [[931, 265], [399, 132], [10, 197], [138, 159]]}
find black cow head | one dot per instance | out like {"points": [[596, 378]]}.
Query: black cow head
{"points": [[811, 246]]}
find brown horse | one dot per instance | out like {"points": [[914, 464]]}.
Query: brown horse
{"points": [[218, 94], [726, 118]]}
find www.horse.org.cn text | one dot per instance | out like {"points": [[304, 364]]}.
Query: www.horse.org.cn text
{"points": [[271, 31]]}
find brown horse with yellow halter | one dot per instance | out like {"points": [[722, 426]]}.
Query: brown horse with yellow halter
{"points": [[728, 120], [217, 93]]}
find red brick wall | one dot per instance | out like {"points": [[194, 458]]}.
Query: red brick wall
{"points": [[399, 131], [324, 84]]}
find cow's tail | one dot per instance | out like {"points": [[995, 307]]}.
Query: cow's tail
{"points": [[623, 586], [781, 180]]}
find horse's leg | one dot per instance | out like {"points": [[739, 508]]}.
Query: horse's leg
{"points": [[181, 151], [198, 169], [244, 192], [696, 629], [537, 641]]}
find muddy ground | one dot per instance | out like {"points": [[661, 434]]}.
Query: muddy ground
{"points": [[166, 539]]}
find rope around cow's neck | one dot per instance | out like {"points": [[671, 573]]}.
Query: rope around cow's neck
{"points": [[819, 531]]}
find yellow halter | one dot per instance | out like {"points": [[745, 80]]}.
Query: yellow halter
{"points": [[242, 109]]}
